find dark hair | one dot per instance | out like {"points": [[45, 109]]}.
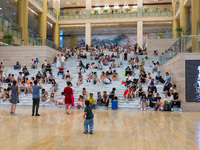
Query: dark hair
{"points": [[43, 90], [84, 88], [68, 83], [114, 89], [91, 93], [87, 103], [9, 84], [62, 93], [176, 96], [35, 82], [144, 96], [98, 92], [14, 83]]}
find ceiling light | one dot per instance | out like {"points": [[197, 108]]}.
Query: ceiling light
{"points": [[116, 6], [106, 7], [125, 5]]}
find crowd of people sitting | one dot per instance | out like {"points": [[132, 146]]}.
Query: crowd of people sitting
{"points": [[134, 84]]}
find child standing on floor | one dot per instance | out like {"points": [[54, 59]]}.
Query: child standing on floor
{"points": [[88, 116], [143, 101]]}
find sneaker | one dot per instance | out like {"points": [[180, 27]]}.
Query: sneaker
{"points": [[37, 115], [133, 99], [85, 132], [67, 113], [11, 113], [24, 94], [32, 114], [172, 109], [126, 100], [141, 109], [14, 114], [180, 110], [91, 132], [144, 109]]}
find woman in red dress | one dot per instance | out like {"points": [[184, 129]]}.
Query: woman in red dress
{"points": [[68, 96]]}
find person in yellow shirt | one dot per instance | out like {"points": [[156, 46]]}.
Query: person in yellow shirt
{"points": [[142, 68], [91, 99]]}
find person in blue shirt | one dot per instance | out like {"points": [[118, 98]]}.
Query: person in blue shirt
{"points": [[36, 97], [37, 61], [167, 78], [152, 85]]}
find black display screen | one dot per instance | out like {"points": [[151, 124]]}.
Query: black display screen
{"points": [[192, 80]]}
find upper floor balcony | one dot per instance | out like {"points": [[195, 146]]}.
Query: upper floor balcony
{"points": [[117, 13]]}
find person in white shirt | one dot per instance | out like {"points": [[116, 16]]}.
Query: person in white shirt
{"points": [[62, 60], [23, 87]]}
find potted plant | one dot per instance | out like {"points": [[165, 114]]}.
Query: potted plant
{"points": [[67, 13], [105, 11], [96, 12], [77, 12], [116, 10], [156, 9], [179, 30], [127, 10], [166, 9], [146, 10], [8, 39]]}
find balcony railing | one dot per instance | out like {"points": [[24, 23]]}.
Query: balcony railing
{"points": [[9, 27], [185, 44], [177, 6], [53, 12], [40, 2], [147, 12]]}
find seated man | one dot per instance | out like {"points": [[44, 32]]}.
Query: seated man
{"points": [[128, 94], [152, 85], [112, 94], [34, 65], [140, 91], [128, 71], [153, 103], [80, 79], [113, 64], [100, 66], [17, 66], [38, 76], [50, 78], [142, 68], [167, 78], [159, 77], [44, 95], [128, 80], [67, 75], [91, 100], [60, 71], [114, 75], [20, 77], [166, 88], [143, 78]]}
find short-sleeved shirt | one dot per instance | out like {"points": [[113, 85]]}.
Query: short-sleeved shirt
{"points": [[37, 61], [89, 113], [91, 99], [36, 91], [167, 78]]}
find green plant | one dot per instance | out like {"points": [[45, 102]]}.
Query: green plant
{"points": [[116, 10], [127, 10], [96, 12], [166, 9], [179, 30], [146, 10], [67, 13], [156, 9], [105, 11], [8, 38], [77, 12]]}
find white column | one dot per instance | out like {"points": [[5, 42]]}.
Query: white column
{"points": [[88, 4], [140, 33], [88, 34], [139, 3]]}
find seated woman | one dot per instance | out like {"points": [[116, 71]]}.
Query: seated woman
{"points": [[25, 71], [95, 78], [100, 66], [44, 95], [175, 101], [80, 79], [34, 65], [99, 99], [43, 69], [80, 103], [128, 80], [51, 99], [142, 68], [128, 94], [38, 76], [107, 80], [44, 78], [54, 87], [109, 71], [60, 101], [113, 64], [105, 99], [89, 77], [114, 75], [5, 95]]}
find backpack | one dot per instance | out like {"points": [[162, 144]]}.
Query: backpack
{"points": [[167, 106]]}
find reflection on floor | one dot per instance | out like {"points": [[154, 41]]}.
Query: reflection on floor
{"points": [[121, 129]]}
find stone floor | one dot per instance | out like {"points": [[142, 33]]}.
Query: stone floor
{"points": [[71, 64]]}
